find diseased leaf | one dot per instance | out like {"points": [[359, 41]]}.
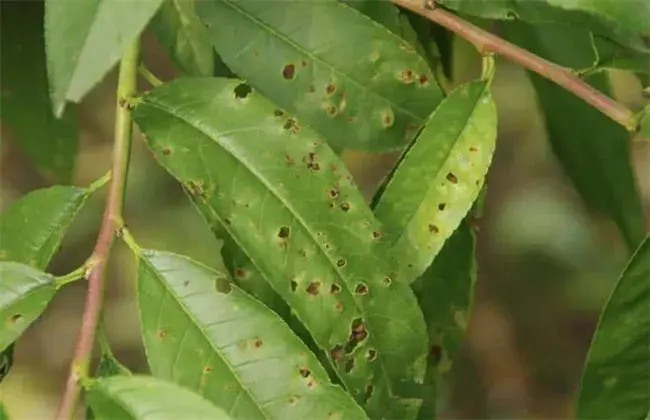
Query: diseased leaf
{"points": [[32, 228], [625, 22], [146, 398], [592, 149], [616, 376], [84, 39], [180, 31], [292, 208], [207, 335], [49, 143], [24, 294], [440, 176], [372, 93]]}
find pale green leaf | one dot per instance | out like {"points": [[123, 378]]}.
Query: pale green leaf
{"points": [[207, 335], [147, 398], [49, 143], [24, 294], [85, 38], [439, 178], [616, 379], [360, 86], [592, 149], [32, 227], [180, 31], [290, 204]]}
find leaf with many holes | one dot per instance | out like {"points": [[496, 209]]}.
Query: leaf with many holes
{"points": [[24, 294], [84, 39], [32, 228], [616, 376], [146, 398], [292, 208], [371, 94], [50, 144], [592, 149], [437, 180], [625, 22], [207, 335], [180, 31]]}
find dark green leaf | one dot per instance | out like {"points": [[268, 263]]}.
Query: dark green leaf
{"points": [[84, 39], [147, 398], [616, 379], [32, 227], [206, 334], [3, 413], [592, 149], [180, 31], [6, 361], [610, 55], [372, 93], [51, 144], [645, 124], [624, 21], [290, 204], [439, 177], [24, 294]]}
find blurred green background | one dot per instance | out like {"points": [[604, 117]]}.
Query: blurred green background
{"points": [[546, 262]]}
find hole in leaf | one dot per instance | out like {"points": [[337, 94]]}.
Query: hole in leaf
{"points": [[433, 229], [278, 113], [367, 392], [242, 90], [349, 365], [294, 285], [387, 281], [313, 288], [371, 355], [223, 285], [289, 124], [335, 289], [284, 232], [358, 330], [341, 263], [435, 352], [376, 234], [423, 80], [361, 289], [452, 178], [345, 206], [289, 71], [15, 318], [304, 372], [442, 206], [334, 193], [337, 352]]}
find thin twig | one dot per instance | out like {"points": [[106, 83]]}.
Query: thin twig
{"points": [[486, 43], [149, 76], [111, 221]]}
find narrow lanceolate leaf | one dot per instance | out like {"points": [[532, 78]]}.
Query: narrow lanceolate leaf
{"points": [[32, 228], [207, 335], [289, 203], [180, 31], [592, 149], [439, 177], [50, 144], [372, 93], [616, 377], [24, 294], [84, 39], [147, 398]]}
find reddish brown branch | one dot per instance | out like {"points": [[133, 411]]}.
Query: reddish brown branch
{"points": [[111, 221], [487, 43]]}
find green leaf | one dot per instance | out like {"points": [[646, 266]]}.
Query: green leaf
{"points": [[180, 31], [610, 55], [616, 376], [370, 94], [32, 228], [49, 143], [207, 335], [6, 361], [592, 149], [440, 176], [293, 209], [147, 398], [24, 294], [624, 22], [644, 131], [84, 39], [3, 412]]}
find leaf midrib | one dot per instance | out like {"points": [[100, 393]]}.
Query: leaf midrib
{"points": [[269, 187], [195, 322], [323, 62]]}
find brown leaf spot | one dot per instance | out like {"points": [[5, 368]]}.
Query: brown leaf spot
{"points": [[289, 160], [312, 89], [387, 281], [278, 113], [166, 151], [257, 343], [312, 163], [304, 63], [339, 306], [433, 229], [334, 193], [313, 288], [330, 89], [207, 370], [15, 318], [361, 289], [161, 333], [240, 273], [452, 178], [345, 206], [331, 110], [304, 372], [289, 124], [289, 71], [442, 206], [337, 352], [406, 76], [473, 149], [376, 234], [423, 80], [388, 118], [358, 330]]}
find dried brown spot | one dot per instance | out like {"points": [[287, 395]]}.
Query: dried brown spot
{"points": [[278, 113], [331, 110], [435, 352], [361, 289], [345, 206], [284, 232], [337, 352], [335, 289], [334, 193], [339, 306], [304, 372], [330, 89], [423, 80], [207, 369], [406, 76], [371, 355], [289, 160], [257, 343], [166, 151], [240, 273], [161, 333], [289, 71], [332, 205], [289, 124], [313, 288], [376, 234], [433, 229], [304, 63], [452, 178], [387, 119], [442, 206], [311, 384], [341, 262], [242, 90], [473, 149]]}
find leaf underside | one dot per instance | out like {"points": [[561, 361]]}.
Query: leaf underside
{"points": [[361, 86], [207, 335], [295, 212]]}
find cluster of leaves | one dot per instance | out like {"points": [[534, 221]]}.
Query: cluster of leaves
{"points": [[331, 308]]}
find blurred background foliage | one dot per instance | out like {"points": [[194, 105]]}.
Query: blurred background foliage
{"points": [[546, 261]]}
